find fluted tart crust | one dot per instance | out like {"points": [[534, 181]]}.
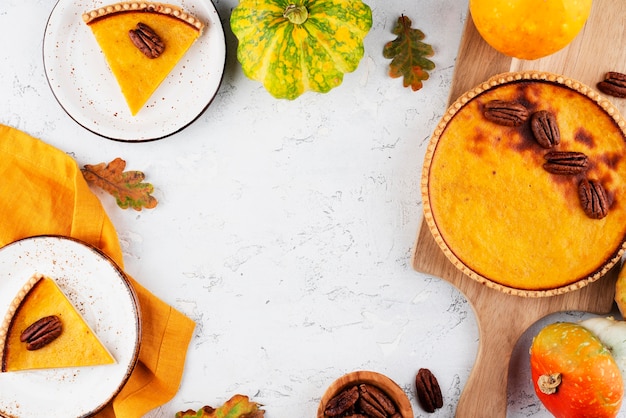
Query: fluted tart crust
{"points": [[520, 211], [143, 6]]}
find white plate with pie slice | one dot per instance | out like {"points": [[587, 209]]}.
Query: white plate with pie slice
{"points": [[86, 88], [100, 292]]}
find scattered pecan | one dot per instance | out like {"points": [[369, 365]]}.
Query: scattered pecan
{"points": [[505, 113], [342, 402], [428, 390], [614, 84], [147, 40], [545, 128], [565, 162], [42, 332], [593, 199]]}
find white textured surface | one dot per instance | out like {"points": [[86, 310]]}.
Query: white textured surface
{"points": [[284, 229]]}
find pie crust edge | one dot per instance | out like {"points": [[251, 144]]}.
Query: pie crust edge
{"points": [[143, 6]]}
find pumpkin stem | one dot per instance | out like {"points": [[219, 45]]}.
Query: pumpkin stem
{"points": [[549, 382], [296, 14]]}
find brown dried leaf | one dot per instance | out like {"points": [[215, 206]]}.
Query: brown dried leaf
{"points": [[127, 187], [409, 54]]}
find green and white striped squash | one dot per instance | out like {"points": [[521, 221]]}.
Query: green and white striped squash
{"points": [[294, 46]]}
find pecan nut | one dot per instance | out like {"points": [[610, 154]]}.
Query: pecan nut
{"points": [[361, 401], [370, 409], [593, 199], [377, 399], [545, 128], [428, 390], [147, 40], [505, 113], [41, 332], [614, 84], [565, 162], [342, 402]]}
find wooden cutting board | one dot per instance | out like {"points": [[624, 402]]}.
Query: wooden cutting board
{"points": [[502, 318]]}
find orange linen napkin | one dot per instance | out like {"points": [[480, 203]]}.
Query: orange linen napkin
{"points": [[42, 191]]}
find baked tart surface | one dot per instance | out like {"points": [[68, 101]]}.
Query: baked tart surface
{"points": [[76, 345], [516, 210], [141, 65]]}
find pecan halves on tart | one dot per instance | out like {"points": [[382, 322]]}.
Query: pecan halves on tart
{"points": [[505, 112], [565, 162], [593, 199], [545, 129]]}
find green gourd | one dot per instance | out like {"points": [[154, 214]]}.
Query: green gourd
{"points": [[294, 46]]}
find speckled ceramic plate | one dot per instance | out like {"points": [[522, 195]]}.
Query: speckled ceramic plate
{"points": [[103, 296], [87, 90]]}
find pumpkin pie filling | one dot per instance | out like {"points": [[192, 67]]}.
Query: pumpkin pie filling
{"points": [[499, 215], [74, 343], [137, 74]]}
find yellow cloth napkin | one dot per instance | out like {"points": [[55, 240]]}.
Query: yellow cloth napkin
{"points": [[42, 191]]}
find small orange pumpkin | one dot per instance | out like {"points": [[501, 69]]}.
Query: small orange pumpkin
{"points": [[529, 29], [574, 374]]}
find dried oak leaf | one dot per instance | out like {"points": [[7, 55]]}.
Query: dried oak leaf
{"points": [[408, 54], [126, 186], [239, 406]]}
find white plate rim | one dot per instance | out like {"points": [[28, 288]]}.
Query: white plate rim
{"points": [[132, 356], [169, 110]]}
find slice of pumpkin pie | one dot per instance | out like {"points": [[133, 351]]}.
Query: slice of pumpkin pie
{"points": [[142, 42], [43, 330]]}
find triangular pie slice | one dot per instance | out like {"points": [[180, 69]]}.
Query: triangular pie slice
{"points": [[76, 345], [137, 74]]}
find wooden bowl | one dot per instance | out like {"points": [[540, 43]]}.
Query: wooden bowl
{"points": [[382, 382]]}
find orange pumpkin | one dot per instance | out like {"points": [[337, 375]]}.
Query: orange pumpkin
{"points": [[529, 29], [574, 374]]}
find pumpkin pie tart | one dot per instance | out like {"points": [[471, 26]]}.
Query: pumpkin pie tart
{"points": [[61, 337], [524, 184], [142, 43]]}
